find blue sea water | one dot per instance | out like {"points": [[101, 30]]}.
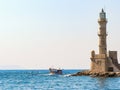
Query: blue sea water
{"points": [[42, 80]]}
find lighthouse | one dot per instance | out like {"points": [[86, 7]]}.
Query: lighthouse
{"points": [[104, 61]]}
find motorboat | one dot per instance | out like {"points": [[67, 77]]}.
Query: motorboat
{"points": [[55, 71]]}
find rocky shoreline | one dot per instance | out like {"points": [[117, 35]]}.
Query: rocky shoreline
{"points": [[95, 74]]}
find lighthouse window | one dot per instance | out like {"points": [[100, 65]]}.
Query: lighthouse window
{"points": [[102, 15]]}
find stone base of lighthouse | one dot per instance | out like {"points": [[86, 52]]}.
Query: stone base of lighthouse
{"points": [[104, 62], [102, 65]]}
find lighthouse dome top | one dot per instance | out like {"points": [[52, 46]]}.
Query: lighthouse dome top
{"points": [[102, 14], [102, 10]]}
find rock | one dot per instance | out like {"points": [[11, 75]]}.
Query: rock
{"points": [[118, 74], [97, 74]]}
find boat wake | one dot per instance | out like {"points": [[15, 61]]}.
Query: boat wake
{"points": [[67, 75]]}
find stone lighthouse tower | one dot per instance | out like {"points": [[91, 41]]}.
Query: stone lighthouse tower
{"points": [[102, 33], [103, 61]]}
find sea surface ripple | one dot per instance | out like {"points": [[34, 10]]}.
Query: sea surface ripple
{"points": [[42, 80]]}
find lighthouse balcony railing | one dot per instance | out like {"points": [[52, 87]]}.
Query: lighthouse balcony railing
{"points": [[102, 19], [101, 34]]}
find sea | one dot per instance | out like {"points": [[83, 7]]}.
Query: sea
{"points": [[43, 80]]}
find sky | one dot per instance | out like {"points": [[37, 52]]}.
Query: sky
{"points": [[38, 34]]}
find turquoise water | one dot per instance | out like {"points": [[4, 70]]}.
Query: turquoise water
{"points": [[42, 80]]}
